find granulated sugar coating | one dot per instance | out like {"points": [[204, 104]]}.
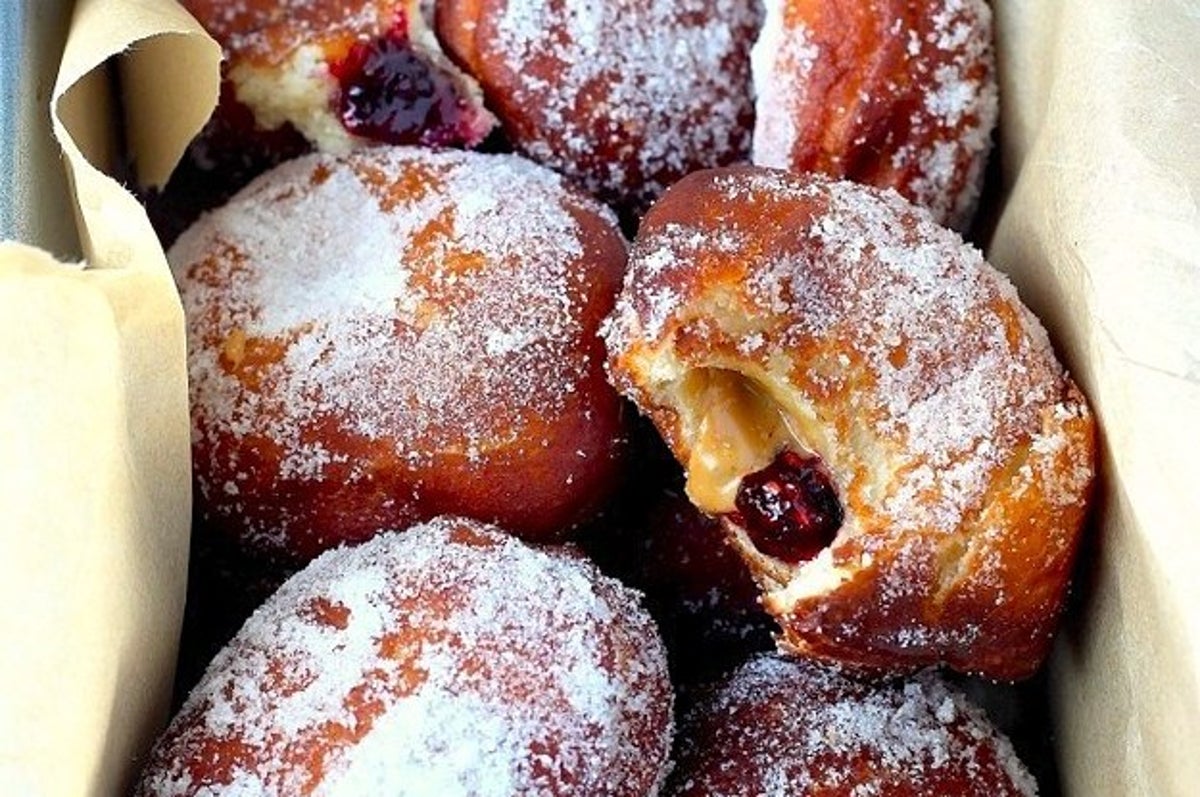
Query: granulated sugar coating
{"points": [[397, 334], [777, 728], [960, 450], [624, 97], [448, 660], [894, 93]]}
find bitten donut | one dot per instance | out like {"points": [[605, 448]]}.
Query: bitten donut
{"points": [[450, 659], [384, 337], [776, 726], [880, 423], [623, 97], [341, 72], [895, 93]]}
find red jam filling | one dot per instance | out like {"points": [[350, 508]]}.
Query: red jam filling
{"points": [[389, 93], [790, 508]]}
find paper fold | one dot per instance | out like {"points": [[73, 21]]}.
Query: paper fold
{"points": [[1101, 233], [94, 433]]}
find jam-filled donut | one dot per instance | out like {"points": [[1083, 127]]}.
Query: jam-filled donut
{"points": [[623, 97], [779, 726], [880, 423], [395, 334], [895, 93], [341, 72], [450, 659], [330, 75]]}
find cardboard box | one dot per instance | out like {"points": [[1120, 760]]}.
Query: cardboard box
{"points": [[1098, 225]]}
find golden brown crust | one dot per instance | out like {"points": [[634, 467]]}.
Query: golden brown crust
{"points": [[961, 452], [456, 23], [398, 334], [893, 93], [624, 98]]}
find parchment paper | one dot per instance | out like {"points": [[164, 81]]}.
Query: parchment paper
{"points": [[1101, 232], [1101, 163], [94, 479]]}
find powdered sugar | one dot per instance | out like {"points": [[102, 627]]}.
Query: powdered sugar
{"points": [[793, 728], [451, 659], [777, 53], [953, 387]]}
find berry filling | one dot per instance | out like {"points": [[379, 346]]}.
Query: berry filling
{"points": [[389, 93], [789, 509]]}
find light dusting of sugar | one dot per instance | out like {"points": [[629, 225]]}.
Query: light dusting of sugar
{"points": [[668, 82], [430, 319], [795, 728], [509, 671]]}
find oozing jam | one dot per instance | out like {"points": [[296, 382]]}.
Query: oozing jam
{"points": [[790, 509], [389, 93]]}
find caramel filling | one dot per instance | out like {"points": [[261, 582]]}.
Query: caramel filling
{"points": [[741, 430], [747, 464]]}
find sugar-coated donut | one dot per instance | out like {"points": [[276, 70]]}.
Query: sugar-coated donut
{"points": [[624, 97], [380, 338], [778, 726], [341, 72], [895, 93], [450, 659], [880, 423]]}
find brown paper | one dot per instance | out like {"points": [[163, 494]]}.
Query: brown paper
{"points": [[94, 479], [1101, 163], [1101, 233]]}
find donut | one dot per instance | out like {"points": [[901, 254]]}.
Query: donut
{"points": [[779, 726], [623, 97], [380, 338], [878, 421], [894, 93], [341, 72], [449, 659]]}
